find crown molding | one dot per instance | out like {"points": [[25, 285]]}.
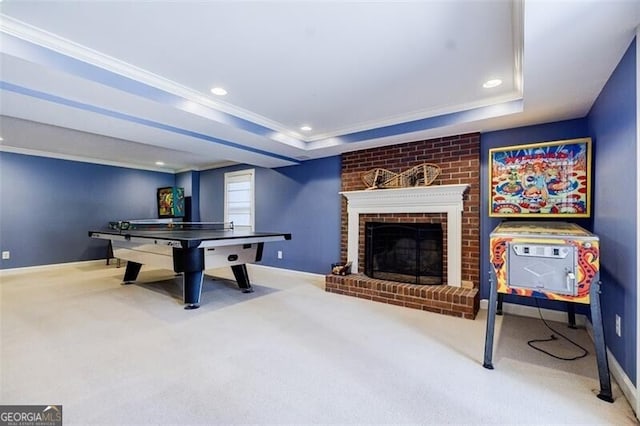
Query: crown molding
{"points": [[426, 114], [198, 103], [192, 98]]}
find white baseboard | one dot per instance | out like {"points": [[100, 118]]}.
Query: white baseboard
{"points": [[270, 272], [532, 312], [11, 271], [307, 275], [621, 378]]}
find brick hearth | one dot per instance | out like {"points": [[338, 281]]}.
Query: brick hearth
{"points": [[442, 299]]}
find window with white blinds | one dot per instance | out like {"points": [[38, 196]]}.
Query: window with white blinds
{"points": [[239, 198]]}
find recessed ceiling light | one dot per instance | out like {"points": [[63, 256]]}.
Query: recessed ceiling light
{"points": [[306, 128], [492, 83], [218, 91], [159, 163]]}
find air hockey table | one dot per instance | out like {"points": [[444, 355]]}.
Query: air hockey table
{"points": [[188, 248]]}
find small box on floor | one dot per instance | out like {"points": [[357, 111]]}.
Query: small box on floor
{"points": [[341, 268]]}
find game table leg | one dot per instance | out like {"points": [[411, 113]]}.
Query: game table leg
{"points": [[190, 262], [242, 277], [131, 273], [192, 288]]}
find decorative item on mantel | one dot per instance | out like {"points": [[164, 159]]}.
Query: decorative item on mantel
{"points": [[341, 268], [423, 174]]}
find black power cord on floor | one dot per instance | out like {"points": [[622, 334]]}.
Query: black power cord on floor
{"points": [[553, 337]]}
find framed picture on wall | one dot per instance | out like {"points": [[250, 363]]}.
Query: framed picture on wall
{"points": [[171, 202], [549, 179]]}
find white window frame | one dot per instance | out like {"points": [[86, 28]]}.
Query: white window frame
{"points": [[241, 176]]}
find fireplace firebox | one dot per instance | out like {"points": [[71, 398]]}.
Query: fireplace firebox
{"points": [[404, 252]]}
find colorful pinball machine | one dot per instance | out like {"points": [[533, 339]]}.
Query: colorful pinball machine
{"points": [[547, 260]]}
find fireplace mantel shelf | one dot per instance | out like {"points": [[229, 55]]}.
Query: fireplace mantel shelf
{"points": [[421, 199], [415, 195]]}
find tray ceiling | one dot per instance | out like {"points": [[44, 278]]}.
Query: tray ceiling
{"points": [[129, 82]]}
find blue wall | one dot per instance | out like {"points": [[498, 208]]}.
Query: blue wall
{"points": [[48, 205], [612, 122], [184, 180], [301, 199], [195, 196], [190, 181]]}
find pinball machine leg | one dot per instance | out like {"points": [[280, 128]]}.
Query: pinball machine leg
{"points": [[491, 320], [571, 315], [599, 342]]}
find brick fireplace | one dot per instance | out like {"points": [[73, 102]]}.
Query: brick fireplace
{"points": [[452, 201]]}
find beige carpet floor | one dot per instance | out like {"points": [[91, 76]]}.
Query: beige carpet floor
{"points": [[289, 353]]}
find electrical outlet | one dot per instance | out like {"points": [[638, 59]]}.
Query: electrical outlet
{"points": [[618, 326], [279, 254], [6, 255]]}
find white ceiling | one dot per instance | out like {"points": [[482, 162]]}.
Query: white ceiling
{"points": [[127, 82]]}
